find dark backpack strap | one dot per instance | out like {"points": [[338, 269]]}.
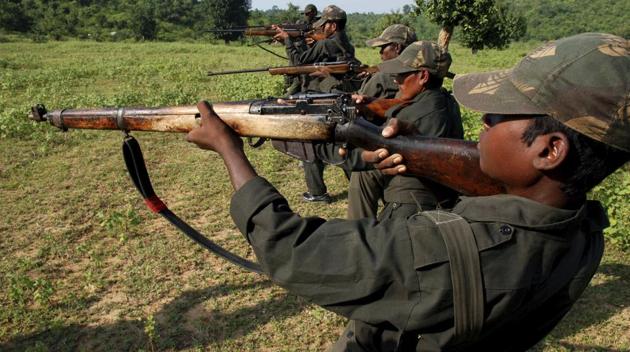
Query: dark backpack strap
{"points": [[140, 177], [463, 254]]}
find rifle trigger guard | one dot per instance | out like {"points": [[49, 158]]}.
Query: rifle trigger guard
{"points": [[257, 144]]}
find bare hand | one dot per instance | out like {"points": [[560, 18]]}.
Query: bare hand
{"points": [[321, 72], [381, 158], [363, 75], [362, 99], [213, 134], [281, 34]]}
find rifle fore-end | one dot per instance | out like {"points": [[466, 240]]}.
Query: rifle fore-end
{"points": [[246, 118]]}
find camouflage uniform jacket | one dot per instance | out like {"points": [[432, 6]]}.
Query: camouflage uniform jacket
{"points": [[393, 277]]}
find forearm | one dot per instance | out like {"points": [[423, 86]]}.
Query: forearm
{"points": [[238, 166]]}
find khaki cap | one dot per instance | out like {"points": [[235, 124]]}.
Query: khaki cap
{"points": [[417, 56], [396, 33], [582, 81], [330, 13]]}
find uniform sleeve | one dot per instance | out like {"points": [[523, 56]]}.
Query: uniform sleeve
{"points": [[359, 269], [431, 116], [379, 85], [314, 54]]}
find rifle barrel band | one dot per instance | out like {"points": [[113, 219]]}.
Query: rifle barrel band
{"points": [[60, 121], [120, 121]]}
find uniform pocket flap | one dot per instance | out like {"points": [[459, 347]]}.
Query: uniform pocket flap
{"points": [[426, 241]]}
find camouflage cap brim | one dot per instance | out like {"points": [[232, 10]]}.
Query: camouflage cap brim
{"points": [[320, 22], [492, 92], [395, 66], [582, 81], [377, 42]]}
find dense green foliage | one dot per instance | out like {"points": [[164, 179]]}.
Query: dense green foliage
{"points": [[484, 23], [169, 20], [551, 19], [120, 19]]}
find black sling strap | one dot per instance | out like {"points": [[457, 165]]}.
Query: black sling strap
{"points": [[140, 177], [463, 254]]}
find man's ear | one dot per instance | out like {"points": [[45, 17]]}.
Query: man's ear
{"points": [[423, 77], [333, 26], [552, 149]]}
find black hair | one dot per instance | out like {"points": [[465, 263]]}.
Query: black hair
{"points": [[435, 82], [341, 24], [588, 161]]}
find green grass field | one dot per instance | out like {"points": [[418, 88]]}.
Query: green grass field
{"points": [[85, 266]]}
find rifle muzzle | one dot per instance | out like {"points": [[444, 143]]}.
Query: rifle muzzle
{"points": [[38, 113]]}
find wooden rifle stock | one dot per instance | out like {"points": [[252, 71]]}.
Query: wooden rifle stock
{"points": [[451, 162]]}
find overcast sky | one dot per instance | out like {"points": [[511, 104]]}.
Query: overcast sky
{"points": [[347, 5]]}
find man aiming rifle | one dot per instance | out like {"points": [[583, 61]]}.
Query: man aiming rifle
{"points": [[335, 47], [494, 273]]}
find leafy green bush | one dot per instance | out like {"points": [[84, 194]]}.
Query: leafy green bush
{"points": [[614, 193]]}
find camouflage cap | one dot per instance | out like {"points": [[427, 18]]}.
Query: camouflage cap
{"points": [[582, 81], [396, 33], [417, 56], [309, 8], [330, 13]]}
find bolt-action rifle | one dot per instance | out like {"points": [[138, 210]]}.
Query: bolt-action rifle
{"points": [[265, 31], [338, 67], [453, 163], [291, 26]]}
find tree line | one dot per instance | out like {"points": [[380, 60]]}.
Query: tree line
{"points": [[172, 20]]}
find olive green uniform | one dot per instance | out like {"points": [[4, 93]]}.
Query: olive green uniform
{"points": [[393, 277], [380, 86], [293, 84], [435, 113], [366, 187], [337, 47]]}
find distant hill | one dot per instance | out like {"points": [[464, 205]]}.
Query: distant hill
{"points": [[550, 19], [189, 20]]}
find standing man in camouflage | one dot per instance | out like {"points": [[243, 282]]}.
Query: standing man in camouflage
{"points": [[293, 84], [335, 47], [497, 273]]}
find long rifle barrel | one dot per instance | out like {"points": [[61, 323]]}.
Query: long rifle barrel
{"points": [[251, 70]]}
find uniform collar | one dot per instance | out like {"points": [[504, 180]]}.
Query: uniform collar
{"points": [[527, 213]]}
